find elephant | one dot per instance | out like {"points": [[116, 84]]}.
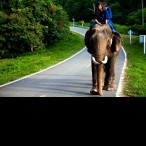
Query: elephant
{"points": [[104, 46]]}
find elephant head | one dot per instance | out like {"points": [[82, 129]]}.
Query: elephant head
{"points": [[104, 45]]}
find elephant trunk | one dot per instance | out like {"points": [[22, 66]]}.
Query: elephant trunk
{"points": [[100, 58], [100, 50], [100, 78], [100, 73]]}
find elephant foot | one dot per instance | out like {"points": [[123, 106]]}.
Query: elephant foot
{"points": [[109, 87], [94, 91]]}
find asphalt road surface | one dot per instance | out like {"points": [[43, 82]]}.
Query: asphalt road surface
{"points": [[70, 78]]}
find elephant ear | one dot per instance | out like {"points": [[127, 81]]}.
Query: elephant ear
{"points": [[87, 41], [116, 42]]}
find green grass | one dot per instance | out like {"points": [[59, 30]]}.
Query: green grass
{"points": [[12, 69], [135, 78]]}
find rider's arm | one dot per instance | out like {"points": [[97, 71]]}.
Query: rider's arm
{"points": [[97, 22]]}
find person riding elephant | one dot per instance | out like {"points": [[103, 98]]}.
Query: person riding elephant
{"points": [[104, 46], [103, 15]]}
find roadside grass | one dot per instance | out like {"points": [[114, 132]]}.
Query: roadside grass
{"points": [[28, 63], [135, 74]]}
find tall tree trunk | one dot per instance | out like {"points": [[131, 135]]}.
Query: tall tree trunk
{"points": [[31, 48]]}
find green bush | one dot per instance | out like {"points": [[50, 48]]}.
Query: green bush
{"points": [[30, 25], [122, 28], [138, 29], [19, 34]]}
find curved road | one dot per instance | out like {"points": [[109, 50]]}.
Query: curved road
{"points": [[70, 78]]}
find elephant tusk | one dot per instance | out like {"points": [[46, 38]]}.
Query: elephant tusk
{"points": [[94, 61], [105, 60], [111, 41]]}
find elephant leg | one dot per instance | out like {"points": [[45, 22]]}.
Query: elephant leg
{"points": [[97, 79], [110, 74], [94, 79]]}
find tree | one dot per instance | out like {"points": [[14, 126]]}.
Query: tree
{"points": [[80, 9], [135, 17], [30, 25]]}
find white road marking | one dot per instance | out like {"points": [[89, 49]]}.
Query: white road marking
{"points": [[122, 77]]}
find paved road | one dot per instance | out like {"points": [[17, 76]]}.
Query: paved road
{"points": [[70, 78]]}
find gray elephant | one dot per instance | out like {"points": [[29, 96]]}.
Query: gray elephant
{"points": [[104, 46]]}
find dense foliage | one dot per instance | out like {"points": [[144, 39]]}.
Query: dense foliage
{"points": [[29, 25], [126, 13], [82, 10]]}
